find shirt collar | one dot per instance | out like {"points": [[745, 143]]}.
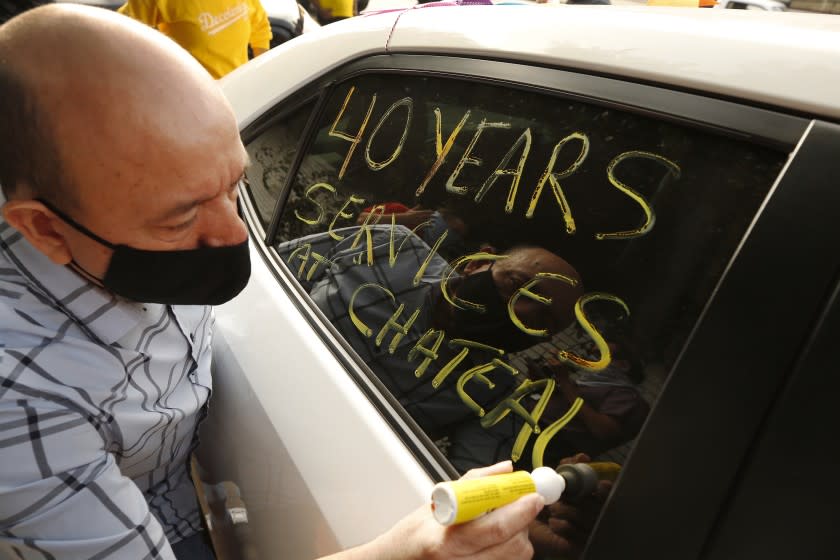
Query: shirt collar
{"points": [[106, 316]]}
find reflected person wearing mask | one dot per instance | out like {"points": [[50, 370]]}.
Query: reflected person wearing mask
{"points": [[467, 306]]}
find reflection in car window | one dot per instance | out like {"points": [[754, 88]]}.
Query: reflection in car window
{"points": [[518, 269], [271, 156]]}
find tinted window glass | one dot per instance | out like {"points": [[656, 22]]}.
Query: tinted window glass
{"points": [[518, 269], [272, 155]]}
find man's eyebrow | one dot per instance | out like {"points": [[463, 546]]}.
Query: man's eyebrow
{"points": [[186, 206]]}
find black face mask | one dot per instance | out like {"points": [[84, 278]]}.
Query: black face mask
{"points": [[492, 327], [203, 276]]}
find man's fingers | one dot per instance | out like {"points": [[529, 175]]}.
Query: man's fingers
{"points": [[546, 543], [501, 524], [567, 530], [518, 547], [577, 458], [603, 490], [498, 468], [497, 527], [564, 511]]}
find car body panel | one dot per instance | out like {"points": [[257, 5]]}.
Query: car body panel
{"points": [[703, 50], [258, 85], [807, 401], [299, 395], [323, 468], [718, 57], [719, 393]]}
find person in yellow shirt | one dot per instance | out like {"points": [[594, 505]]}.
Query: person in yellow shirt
{"points": [[216, 32], [329, 11]]}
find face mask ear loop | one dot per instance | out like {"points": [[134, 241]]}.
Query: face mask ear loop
{"points": [[79, 269], [76, 225], [74, 265]]}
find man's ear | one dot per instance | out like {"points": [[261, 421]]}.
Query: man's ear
{"points": [[473, 266], [38, 224]]}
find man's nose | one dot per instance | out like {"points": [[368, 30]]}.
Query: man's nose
{"points": [[221, 224]]}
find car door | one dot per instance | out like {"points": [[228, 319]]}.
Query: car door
{"points": [[699, 229], [705, 445]]}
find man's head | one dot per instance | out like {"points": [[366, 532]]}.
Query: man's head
{"points": [[527, 276], [118, 128]]}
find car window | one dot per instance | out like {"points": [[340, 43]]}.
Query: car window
{"points": [[520, 270], [271, 156]]}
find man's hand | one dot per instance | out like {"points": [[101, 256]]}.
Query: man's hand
{"points": [[502, 534]]}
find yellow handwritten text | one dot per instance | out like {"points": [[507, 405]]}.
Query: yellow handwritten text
{"points": [[554, 178], [590, 329], [353, 199], [304, 253], [467, 158], [545, 387], [453, 268], [478, 372], [366, 331], [516, 172], [309, 195], [650, 218], [374, 215], [353, 139], [393, 324], [429, 353], [440, 149], [548, 433], [454, 362], [525, 290], [378, 165]]}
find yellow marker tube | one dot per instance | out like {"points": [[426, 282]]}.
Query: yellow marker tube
{"points": [[459, 501]]}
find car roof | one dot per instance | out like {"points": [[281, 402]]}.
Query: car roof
{"points": [[788, 60]]}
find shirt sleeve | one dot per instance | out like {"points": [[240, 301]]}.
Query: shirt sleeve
{"points": [[145, 11], [260, 28], [62, 494]]}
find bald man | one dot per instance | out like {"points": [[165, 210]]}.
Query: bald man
{"points": [[120, 162]]}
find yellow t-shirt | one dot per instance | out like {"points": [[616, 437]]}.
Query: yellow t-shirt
{"points": [[337, 8], [215, 32]]}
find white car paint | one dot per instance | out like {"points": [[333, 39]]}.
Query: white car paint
{"points": [[315, 460], [355, 478], [258, 85], [721, 52]]}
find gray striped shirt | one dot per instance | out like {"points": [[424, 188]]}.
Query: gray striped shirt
{"points": [[99, 403]]}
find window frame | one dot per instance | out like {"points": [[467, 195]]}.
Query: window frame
{"points": [[650, 501]]}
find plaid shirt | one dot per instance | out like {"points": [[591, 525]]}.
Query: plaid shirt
{"points": [[100, 399]]}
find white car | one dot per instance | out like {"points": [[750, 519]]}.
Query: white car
{"points": [[684, 162]]}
